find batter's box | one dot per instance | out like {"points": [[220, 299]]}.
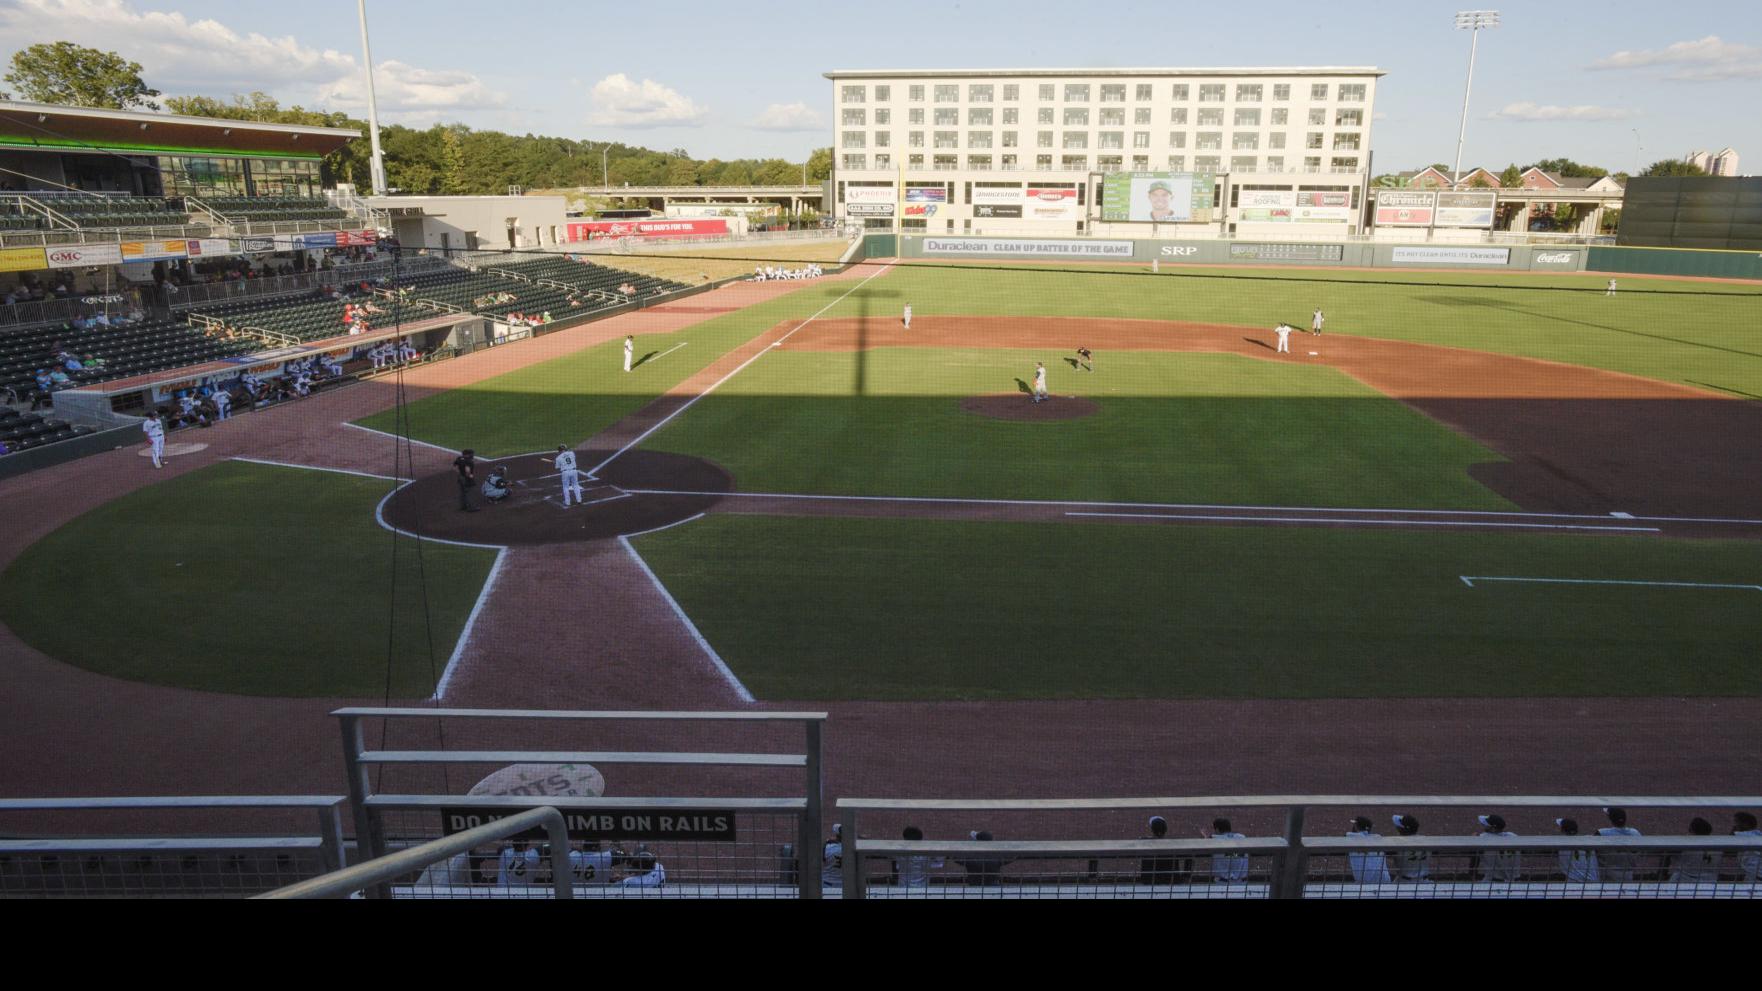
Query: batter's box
{"points": [[596, 495]]}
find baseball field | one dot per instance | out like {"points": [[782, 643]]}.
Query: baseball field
{"points": [[1468, 487]]}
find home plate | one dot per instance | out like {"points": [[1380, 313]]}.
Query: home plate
{"points": [[174, 450]]}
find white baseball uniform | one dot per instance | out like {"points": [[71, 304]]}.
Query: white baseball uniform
{"points": [[1316, 324], [155, 432], [1040, 383], [222, 403], [1370, 866], [591, 866], [1611, 291], [1579, 866], [653, 879], [908, 316], [1751, 862], [571, 477], [517, 868], [1618, 865], [629, 351], [1501, 865], [1284, 332], [1229, 868]]}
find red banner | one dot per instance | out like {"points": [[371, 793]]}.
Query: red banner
{"points": [[356, 239], [645, 228]]}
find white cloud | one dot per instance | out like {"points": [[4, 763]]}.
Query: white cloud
{"points": [[788, 117], [1706, 60], [1532, 113], [620, 101], [179, 55]]}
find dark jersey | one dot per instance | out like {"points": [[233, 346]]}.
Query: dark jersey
{"points": [[467, 468]]}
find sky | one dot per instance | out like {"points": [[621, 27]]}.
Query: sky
{"points": [[733, 80]]}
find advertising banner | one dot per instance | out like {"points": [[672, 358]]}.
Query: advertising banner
{"points": [[211, 247], [22, 260], [1262, 215], [257, 245], [1565, 258], [297, 242], [1002, 248], [997, 195], [83, 255], [925, 203], [1465, 209], [1251, 198], [1452, 256], [582, 231], [1405, 208], [1282, 252], [152, 251], [1157, 197], [987, 212], [1053, 203], [356, 239], [1321, 215], [868, 209], [871, 194]]}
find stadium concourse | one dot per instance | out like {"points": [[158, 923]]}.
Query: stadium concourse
{"points": [[551, 606]]}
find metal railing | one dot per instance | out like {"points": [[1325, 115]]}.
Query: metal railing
{"points": [[374, 873], [802, 812], [134, 865]]}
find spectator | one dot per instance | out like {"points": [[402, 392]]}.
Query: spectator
{"points": [[1160, 868], [1367, 866], [983, 871], [1618, 865], [58, 379], [1697, 866], [1498, 866], [832, 859], [646, 872], [913, 870], [1579, 866], [1227, 868], [1411, 866], [1744, 824]]}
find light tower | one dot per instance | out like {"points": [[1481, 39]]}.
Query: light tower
{"points": [[1471, 21]]}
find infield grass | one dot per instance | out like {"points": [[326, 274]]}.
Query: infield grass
{"points": [[248, 579], [828, 609]]}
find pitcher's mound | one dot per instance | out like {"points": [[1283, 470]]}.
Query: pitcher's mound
{"points": [[1017, 406]]}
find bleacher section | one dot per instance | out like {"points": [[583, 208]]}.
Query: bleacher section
{"points": [[312, 317], [137, 349], [89, 212], [271, 209]]}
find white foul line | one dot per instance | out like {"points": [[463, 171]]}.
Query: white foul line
{"points": [[667, 352], [689, 519], [1469, 580], [690, 627], [412, 440], [693, 400], [379, 517], [335, 471], [446, 678], [1364, 522]]}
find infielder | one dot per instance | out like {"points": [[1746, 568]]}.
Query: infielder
{"points": [[1086, 359], [1315, 324], [155, 432], [1040, 382], [1284, 332], [908, 316], [629, 350], [565, 462]]}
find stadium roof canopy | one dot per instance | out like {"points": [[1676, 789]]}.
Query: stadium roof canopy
{"points": [[51, 127], [1292, 70]]}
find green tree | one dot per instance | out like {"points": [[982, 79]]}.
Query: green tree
{"points": [[1673, 167], [452, 161], [72, 75], [820, 165], [1569, 169], [1480, 181], [1512, 177]]}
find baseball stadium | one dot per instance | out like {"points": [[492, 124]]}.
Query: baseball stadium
{"points": [[754, 553]]}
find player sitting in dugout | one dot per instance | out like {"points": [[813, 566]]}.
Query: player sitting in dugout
{"points": [[495, 487]]}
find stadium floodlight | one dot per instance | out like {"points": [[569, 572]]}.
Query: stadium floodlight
{"points": [[378, 165], [1471, 21]]}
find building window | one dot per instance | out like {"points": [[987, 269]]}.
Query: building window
{"points": [[1213, 117], [1281, 117], [1043, 139], [1009, 139], [947, 163], [1141, 139], [1177, 163], [1178, 115], [1245, 141], [883, 139], [1046, 92], [1111, 139], [1075, 163], [1247, 118], [979, 117], [1141, 163], [854, 94], [948, 139], [1349, 118], [914, 162], [1076, 139], [915, 139], [1312, 140], [1276, 140], [1318, 92], [1141, 115], [1209, 140], [856, 162], [855, 118], [979, 93], [1207, 163], [1351, 92], [1248, 92], [1180, 92], [1345, 165], [883, 116], [883, 94], [980, 162], [1043, 161], [853, 139], [884, 161], [1211, 92], [1275, 163], [916, 94], [1012, 93], [1011, 115], [1244, 163], [1281, 92], [915, 115], [947, 117], [1318, 117], [1177, 139], [1312, 164], [1143, 93], [1113, 93], [1009, 163], [948, 94], [1109, 163], [1345, 142], [1076, 116], [978, 139], [1044, 115], [1115, 117], [1076, 92]]}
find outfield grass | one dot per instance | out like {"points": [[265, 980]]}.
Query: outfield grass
{"points": [[569, 399], [1207, 428], [1693, 333], [821, 610], [246, 579]]}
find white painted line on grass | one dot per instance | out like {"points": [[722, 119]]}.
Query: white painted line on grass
{"points": [[1363, 522], [690, 627], [1469, 580], [1622, 516], [690, 519], [1695, 519], [446, 678], [418, 443], [334, 471], [379, 516], [718, 384], [667, 352]]}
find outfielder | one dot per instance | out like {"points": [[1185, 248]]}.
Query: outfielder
{"points": [[565, 462], [629, 350], [155, 432], [1611, 291], [1284, 332], [908, 316], [1040, 382]]}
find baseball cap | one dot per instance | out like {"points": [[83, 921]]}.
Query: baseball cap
{"points": [[1743, 820], [1361, 823], [1408, 825], [1567, 826], [980, 835], [1165, 187], [1493, 821], [1616, 814]]}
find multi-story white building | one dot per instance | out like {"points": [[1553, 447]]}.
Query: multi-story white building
{"points": [[1714, 163], [1030, 150]]}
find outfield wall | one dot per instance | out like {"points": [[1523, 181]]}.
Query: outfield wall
{"points": [[1344, 254], [1693, 262]]}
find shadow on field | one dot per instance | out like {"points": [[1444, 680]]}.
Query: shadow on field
{"points": [[1495, 303], [645, 359], [1259, 343]]}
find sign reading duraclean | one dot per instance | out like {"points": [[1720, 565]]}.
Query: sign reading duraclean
{"points": [[613, 824]]}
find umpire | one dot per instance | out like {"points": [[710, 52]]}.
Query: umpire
{"points": [[466, 465]]}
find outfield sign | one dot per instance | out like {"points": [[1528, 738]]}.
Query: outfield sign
{"points": [[870, 194], [1053, 203], [1465, 209], [997, 196], [22, 260], [1452, 256], [1021, 248], [868, 209], [703, 825], [983, 211], [1405, 209], [1563, 258], [582, 231], [926, 202], [83, 255], [1158, 197], [1284, 252]]}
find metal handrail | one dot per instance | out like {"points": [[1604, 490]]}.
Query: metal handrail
{"points": [[1311, 801], [378, 871]]}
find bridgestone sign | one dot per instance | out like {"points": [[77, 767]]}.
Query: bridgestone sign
{"points": [[989, 248]]}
